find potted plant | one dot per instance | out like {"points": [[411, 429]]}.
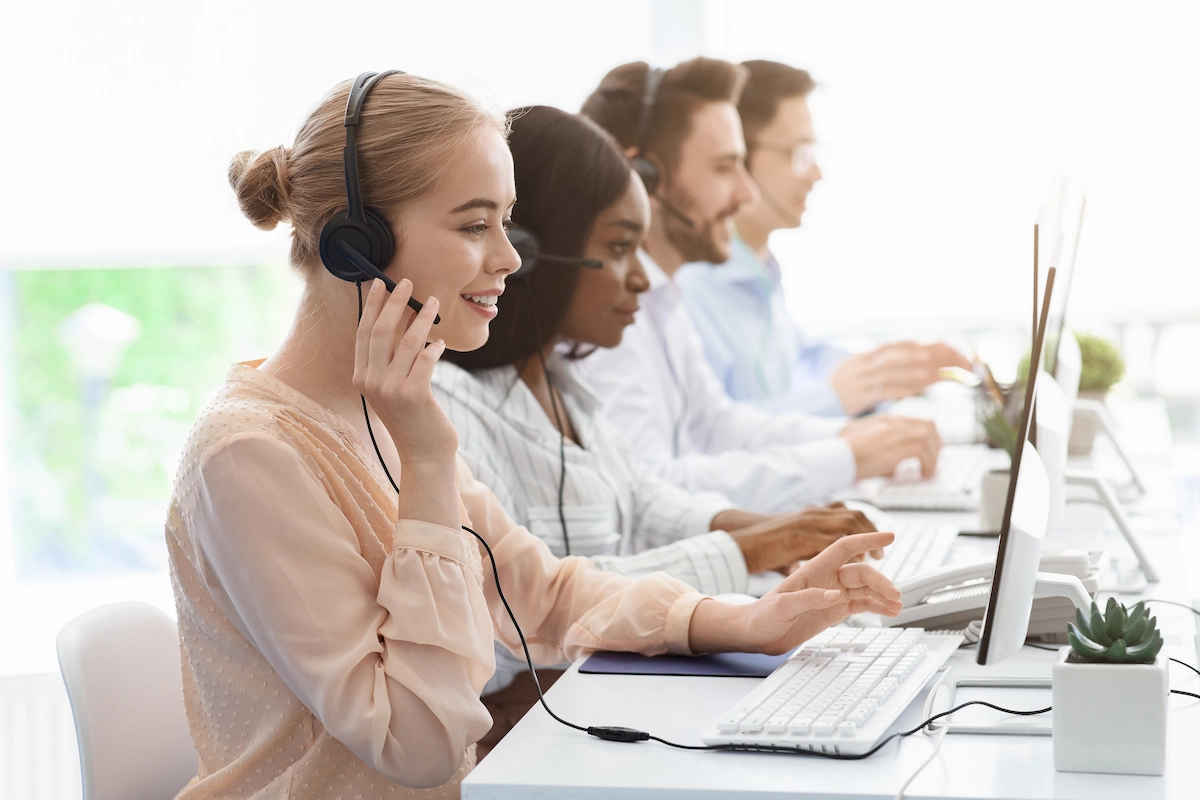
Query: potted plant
{"points": [[1110, 694], [1102, 368], [997, 408]]}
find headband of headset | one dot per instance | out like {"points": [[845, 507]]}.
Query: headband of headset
{"points": [[646, 169]]}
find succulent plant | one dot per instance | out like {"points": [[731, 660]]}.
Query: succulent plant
{"points": [[1119, 636]]}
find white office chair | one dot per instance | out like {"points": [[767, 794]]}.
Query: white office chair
{"points": [[121, 665]]}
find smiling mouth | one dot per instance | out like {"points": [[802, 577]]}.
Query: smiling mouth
{"points": [[482, 300]]}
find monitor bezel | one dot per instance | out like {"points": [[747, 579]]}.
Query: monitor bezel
{"points": [[1022, 436]]}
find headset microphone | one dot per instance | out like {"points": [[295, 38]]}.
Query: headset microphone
{"points": [[526, 245], [675, 212], [777, 207]]}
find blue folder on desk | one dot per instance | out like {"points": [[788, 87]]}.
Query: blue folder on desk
{"points": [[715, 665]]}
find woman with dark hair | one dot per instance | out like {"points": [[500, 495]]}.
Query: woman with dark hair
{"points": [[529, 428]]}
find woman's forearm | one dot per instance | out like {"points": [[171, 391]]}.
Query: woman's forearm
{"points": [[428, 493]]}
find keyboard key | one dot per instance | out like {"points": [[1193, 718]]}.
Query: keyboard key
{"points": [[801, 726]]}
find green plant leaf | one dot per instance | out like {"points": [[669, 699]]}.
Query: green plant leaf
{"points": [[1097, 630], [1084, 646], [1146, 652], [1102, 363], [1138, 631], [1081, 621], [1116, 618], [1116, 652], [1138, 611]]}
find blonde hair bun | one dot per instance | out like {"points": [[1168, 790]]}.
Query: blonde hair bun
{"points": [[260, 181]]}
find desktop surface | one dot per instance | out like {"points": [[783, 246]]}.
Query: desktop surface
{"points": [[542, 759]]}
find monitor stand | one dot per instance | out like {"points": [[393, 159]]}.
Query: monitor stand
{"points": [[1095, 411], [1049, 584], [1108, 499]]}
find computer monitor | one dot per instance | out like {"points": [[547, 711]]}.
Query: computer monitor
{"points": [[1068, 227], [1006, 619]]}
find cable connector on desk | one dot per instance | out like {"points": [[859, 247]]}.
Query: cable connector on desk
{"points": [[615, 734]]}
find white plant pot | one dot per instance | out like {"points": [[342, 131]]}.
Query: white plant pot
{"points": [[1110, 717], [993, 492], [1084, 429]]}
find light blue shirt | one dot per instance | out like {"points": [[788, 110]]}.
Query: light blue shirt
{"points": [[753, 344]]}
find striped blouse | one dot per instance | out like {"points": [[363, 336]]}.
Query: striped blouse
{"points": [[626, 519]]}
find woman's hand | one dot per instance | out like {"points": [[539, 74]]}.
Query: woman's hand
{"points": [[782, 540], [822, 592], [393, 369]]}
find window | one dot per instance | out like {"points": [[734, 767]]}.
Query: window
{"points": [[107, 368]]}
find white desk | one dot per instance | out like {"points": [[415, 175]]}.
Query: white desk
{"points": [[542, 759]]}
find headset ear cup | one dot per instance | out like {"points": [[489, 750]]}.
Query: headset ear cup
{"points": [[371, 237], [647, 170]]}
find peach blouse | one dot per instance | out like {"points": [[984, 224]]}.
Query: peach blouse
{"points": [[331, 651]]}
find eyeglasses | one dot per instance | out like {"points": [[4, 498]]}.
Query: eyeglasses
{"points": [[802, 155]]}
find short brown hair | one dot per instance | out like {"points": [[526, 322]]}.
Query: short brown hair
{"points": [[616, 104], [768, 83]]}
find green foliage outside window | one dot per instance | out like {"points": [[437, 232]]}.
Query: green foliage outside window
{"points": [[195, 322]]}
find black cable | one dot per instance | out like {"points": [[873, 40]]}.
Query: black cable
{"points": [[620, 734], [1189, 694], [1171, 603], [528, 659], [1184, 663], [562, 452], [367, 416]]}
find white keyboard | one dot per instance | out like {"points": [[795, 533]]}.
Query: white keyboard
{"points": [[838, 693], [918, 549], [954, 487]]}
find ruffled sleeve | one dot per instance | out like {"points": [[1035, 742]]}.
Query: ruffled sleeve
{"points": [[566, 607], [391, 666]]}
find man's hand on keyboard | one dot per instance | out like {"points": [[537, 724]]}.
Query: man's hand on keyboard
{"points": [[822, 592], [881, 442], [779, 541]]}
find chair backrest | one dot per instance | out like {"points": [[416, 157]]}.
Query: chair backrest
{"points": [[121, 666]]}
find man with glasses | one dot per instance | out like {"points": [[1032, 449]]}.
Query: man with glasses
{"points": [[755, 348], [656, 387]]}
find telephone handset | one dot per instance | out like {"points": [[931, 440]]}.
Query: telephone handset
{"points": [[954, 595]]}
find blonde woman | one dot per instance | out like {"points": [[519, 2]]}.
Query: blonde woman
{"points": [[336, 633]]}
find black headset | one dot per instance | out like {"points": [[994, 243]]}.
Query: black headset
{"points": [[643, 165], [527, 247], [646, 169], [357, 244]]}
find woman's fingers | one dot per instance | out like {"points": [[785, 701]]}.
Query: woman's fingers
{"points": [[864, 576], [422, 369], [391, 323], [412, 343], [376, 298], [846, 548]]}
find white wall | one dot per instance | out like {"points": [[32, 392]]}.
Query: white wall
{"points": [[943, 125], [122, 115]]}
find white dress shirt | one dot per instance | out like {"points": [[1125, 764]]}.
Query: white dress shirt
{"points": [[625, 519], [659, 391], [751, 341]]}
